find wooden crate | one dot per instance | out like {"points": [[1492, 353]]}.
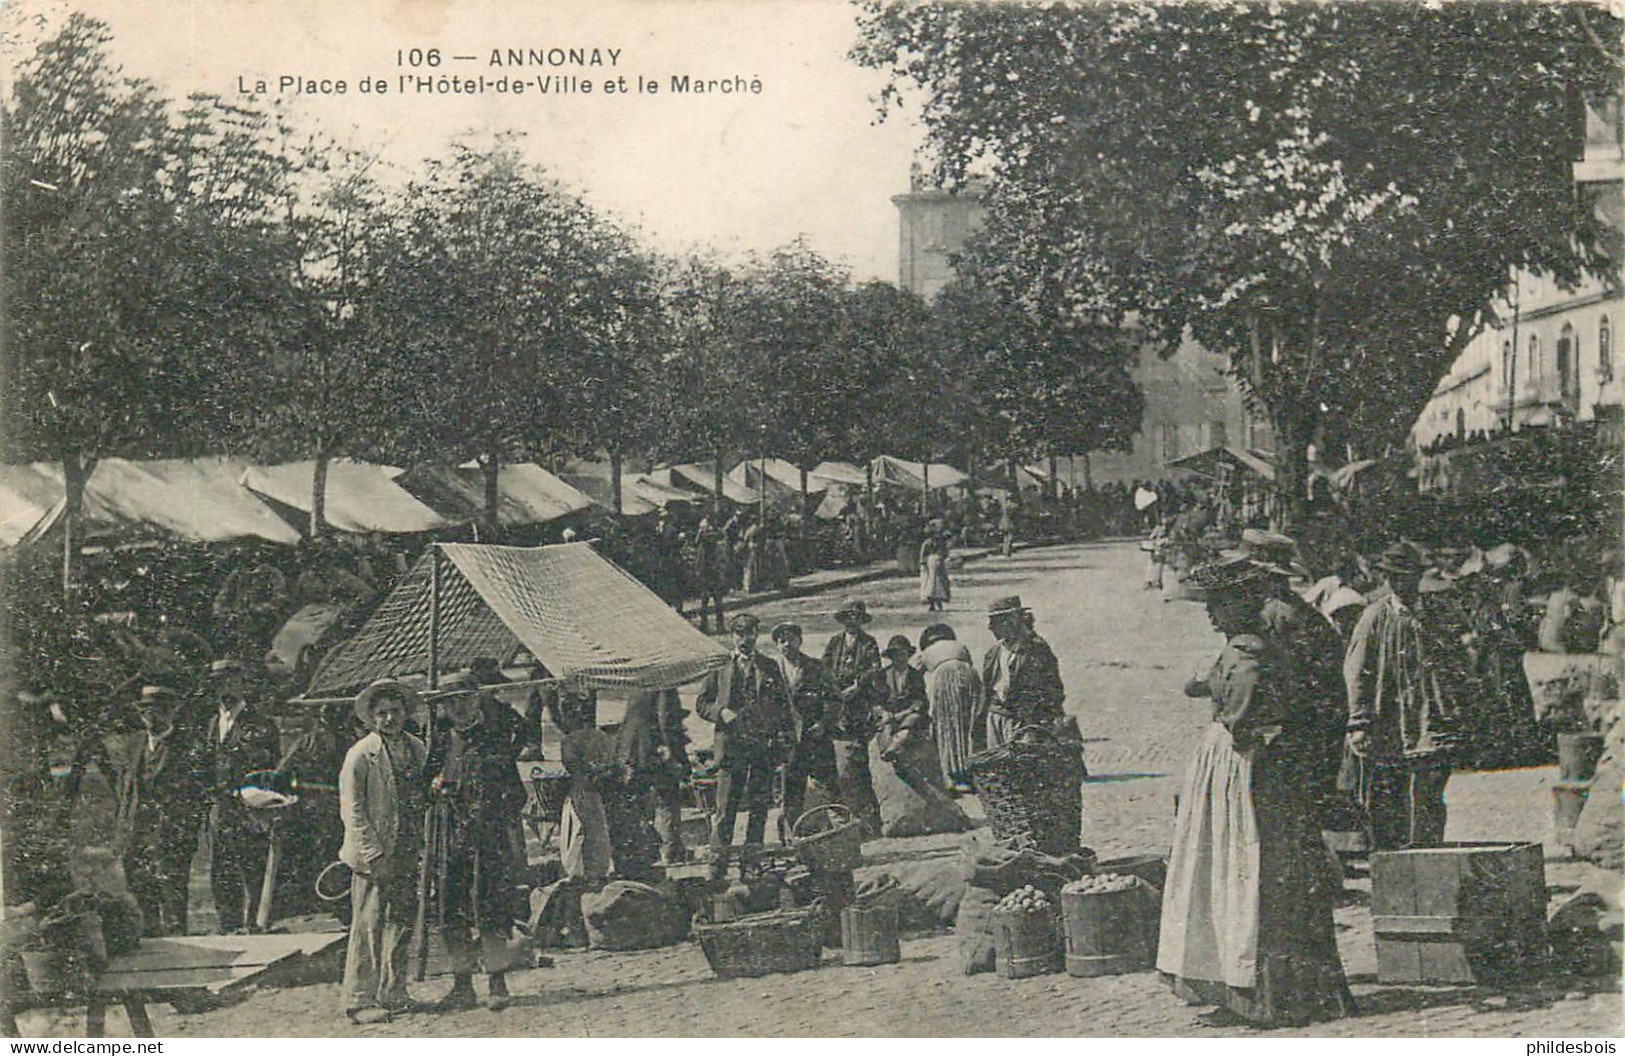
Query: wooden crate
{"points": [[1462, 913]]}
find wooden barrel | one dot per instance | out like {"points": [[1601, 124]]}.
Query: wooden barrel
{"points": [[1107, 932], [869, 935], [1577, 755], [1025, 944]]}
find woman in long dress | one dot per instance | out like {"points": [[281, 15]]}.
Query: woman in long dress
{"points": [[1247, 910], [955, 692], [934, 572]]}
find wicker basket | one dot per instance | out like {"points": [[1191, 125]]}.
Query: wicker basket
{"points": [[1032, 791], [764, 944], [835, 849]]}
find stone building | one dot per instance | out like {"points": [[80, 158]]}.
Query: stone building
{"points": [[1552, 361], [1190, 404]]}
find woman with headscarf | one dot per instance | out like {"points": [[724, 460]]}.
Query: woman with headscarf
{"points": [[955, 692], [1247, 908]]}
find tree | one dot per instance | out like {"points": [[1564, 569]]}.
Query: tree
{"points": [[517, 294], [124, 262], [1333, 195]]}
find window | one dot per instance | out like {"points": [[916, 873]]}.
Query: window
{"points": [[1170, 442], [1605, 350], [1509, 368], [1461, 423], [1568, 363], [1216, 436], [1533, 365]]}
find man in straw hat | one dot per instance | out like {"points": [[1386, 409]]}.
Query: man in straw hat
{"points": [[1021, 679], [1399, 674], [381, 797], [161, 801], [746, 701], [241, 739], [852, 666]]}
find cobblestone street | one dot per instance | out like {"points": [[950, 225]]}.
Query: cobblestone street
{"points": [[1125, 654]]}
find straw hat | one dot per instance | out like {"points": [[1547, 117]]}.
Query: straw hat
{"points": [[384, 687], [1006, 606]]}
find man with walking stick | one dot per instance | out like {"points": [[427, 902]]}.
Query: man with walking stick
{"points": [[478, 796]]}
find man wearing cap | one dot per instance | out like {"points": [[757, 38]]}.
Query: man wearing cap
{"points": [[161, 788], [812, 758], [1398, 675], [381, 798], [746, 701], [852, 668], [480, 797], [1021, 679], [240, 739]]}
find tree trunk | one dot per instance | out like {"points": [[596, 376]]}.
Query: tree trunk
{"points": [[615, 482], [491, 470], [1054, 483], [1291, 472], [716, 481], [1015, 482], [318, 496], [805, 501], [925, 496], [76, 470], [1088, 473]]}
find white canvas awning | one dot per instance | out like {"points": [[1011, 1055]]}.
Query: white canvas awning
{"points": [[360, 496]]}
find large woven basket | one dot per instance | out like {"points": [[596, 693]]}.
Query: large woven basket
{"points": [[764, 944], [837, 847], [1032, 791]]}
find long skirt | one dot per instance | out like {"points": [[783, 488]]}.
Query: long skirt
{"points": [[1247, 910], [956, 720], [934, 578]]}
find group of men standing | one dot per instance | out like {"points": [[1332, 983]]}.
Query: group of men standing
{"points": [[804, 720]]}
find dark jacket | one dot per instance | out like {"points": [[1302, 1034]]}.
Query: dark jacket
{"points": [[162, 785], [1035, 693], [253, 743], [851, 718], [811, 700], [654, 720], [764, 726], [903, 702]]}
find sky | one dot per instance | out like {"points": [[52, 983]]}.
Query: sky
{"points": [[738, 172]]}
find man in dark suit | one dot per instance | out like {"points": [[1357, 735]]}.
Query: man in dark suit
{"points": [[653, 749], [746, 701], [160, 806], [240, 739], [812, 758], [852, 666], [1021, 679]]}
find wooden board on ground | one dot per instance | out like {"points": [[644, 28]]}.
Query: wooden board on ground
{"points": [[212, 962]]}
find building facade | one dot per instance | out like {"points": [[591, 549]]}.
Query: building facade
{"points": [[1191, 405], [1552, 360]]}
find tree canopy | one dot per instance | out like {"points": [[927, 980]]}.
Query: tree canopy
{"points": [[1332, 194]]}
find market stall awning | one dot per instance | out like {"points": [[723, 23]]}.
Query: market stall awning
{"points": [[916, 475], [587, 621], [840, 473], [194, 500], [700, 478], [1208, 462], [361, 496], [782, 477], [527, 494]]}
